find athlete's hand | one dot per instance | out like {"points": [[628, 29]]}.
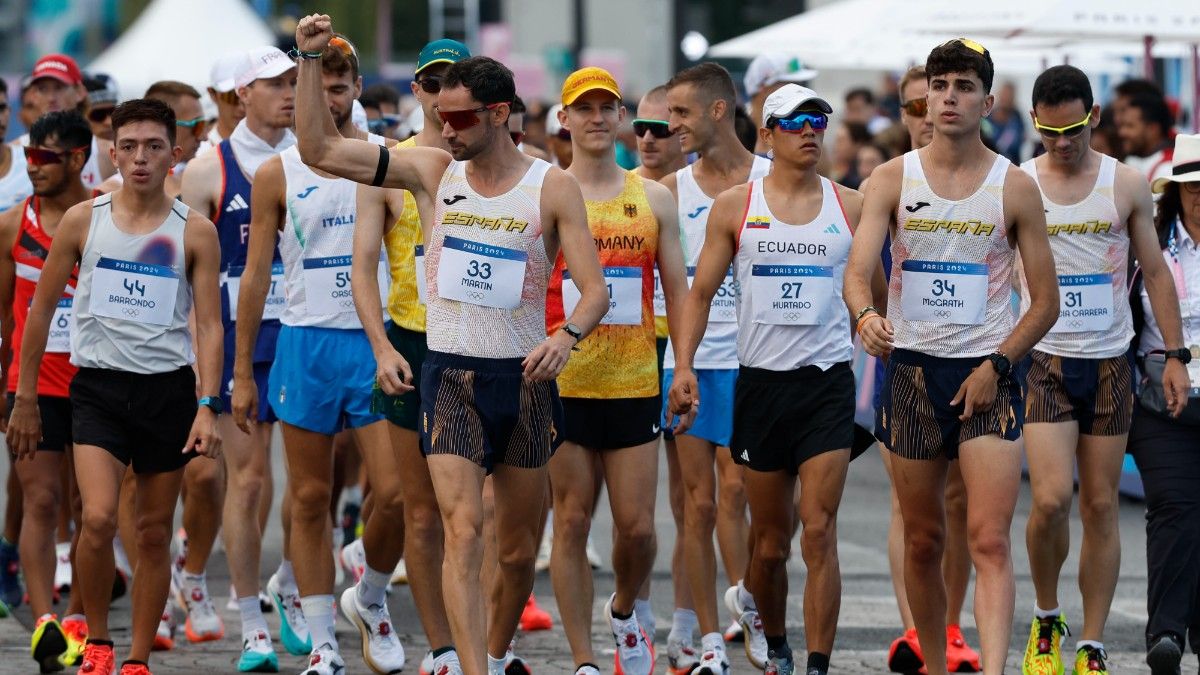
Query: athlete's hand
{"points": [[680, 424], [392, 373], [24, 429], [684, 395], [244, 403], [1175, 386], [877, 336], [314, 32], [547, 360], [978, 392], [204, 439]]}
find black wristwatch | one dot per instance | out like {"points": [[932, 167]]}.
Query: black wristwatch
{"points": [[1184, 355], [213, 403], [573, 330], [1001, 363]]}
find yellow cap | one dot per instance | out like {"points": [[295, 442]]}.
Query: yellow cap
{"points": [[587, 79]]}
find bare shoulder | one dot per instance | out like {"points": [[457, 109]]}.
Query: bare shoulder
{"points": [[535, 151], [657, 194], [270, 170], [204, 167], [1129, 180], [671, 182], [10, 224], [734, 197], [848, 196], [198, 225], [558, 179], [889, 173], [1020, 185]]}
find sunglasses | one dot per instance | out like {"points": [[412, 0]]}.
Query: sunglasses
{"points": [[1069, 131], [98, 115], [198, 125], [1191, 187], [969, 44], [43, 156], [430, 84], [344, 45], [657, 128], [795, 124], [465, 119], [517, 136], [918, 107]]}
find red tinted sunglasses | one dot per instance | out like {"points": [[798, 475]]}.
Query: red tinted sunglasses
{"points": [[42, 156], [464, 119]]}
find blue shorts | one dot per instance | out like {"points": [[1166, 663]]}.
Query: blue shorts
{"points": [[322, 379], [261, 372], [714, 422]]}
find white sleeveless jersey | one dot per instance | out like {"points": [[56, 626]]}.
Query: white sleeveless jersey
{"points": [[952, 266], [486, 268], [718, 347], [15, 185], [316, 246], [133, 296], [1090, 244], [790, 310]]}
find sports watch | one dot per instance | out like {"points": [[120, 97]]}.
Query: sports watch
{"points": [[213, 403], [1001, 363], [573, 330], [1184, 355]]}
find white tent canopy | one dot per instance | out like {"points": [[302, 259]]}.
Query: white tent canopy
{"points": [[180, 40], [1164, 20]]}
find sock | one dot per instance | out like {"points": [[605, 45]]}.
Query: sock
{"points": [[287, 579], [745, 597], [196, 579], [645, 615], [1088, 643], [318, 612], [102, 643], [132, 662], [777, 643], [74, 617], [618, 615], [683, 623], [1046, 614], [446, 656], [713, 642], [252, 616], [448, 649], [372, 588], [495, 665], [819, 661]]}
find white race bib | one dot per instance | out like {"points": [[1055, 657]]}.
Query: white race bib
{"points": [[61, 325], [624, 286], [327, 287], [724, 304], [791, 295], [1085, 303], [419, 272], [276, 295], [944, 292], [481, 274], [134, 291], [660, 298]]}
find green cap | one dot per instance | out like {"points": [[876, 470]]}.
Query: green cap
{"points": [[441, 51]]}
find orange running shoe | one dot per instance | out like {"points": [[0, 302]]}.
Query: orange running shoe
{"points": [[905, 654], [76, 631], [97, 660], [960, 658], [131, 668], [534, 617]]}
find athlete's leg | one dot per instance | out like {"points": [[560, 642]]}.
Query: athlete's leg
{"points": [[247, 463], [772, 511], [631, 475], [487, 568], [699, 519], [520, 497], [675, 492], [1100, 461], [127, 517], [458, 484], [75, 604], [310, 463], [956, 559], [100, 476], [895, 546], [1050, 448], [381, 542], [733, 529], [991, 469], [41, 489], [919, 484], [202, 506], [572, 479], [822, 480], [157, 494], [12, 506]]}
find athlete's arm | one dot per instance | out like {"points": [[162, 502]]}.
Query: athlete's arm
{"points": [[852, 203], [670, 182], [199, 183], [859, 288], [671, 269], [1160, 286], [266, 217], [204, 264], [10, 225], [373, 211], [565, 226], [25, 423]]}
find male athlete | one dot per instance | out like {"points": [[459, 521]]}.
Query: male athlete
{"points": [[1079, 390], [488, 401], [955, 211]]}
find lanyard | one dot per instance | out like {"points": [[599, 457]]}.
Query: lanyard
{"points": [[1176, 268]]}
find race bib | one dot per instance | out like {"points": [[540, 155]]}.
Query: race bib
{"points": [[419, 272], [1193, 369], [1085, 303], [134, 291], [276, 296], [624, 286], [327, 287], [61, 324], [944, 292], [660, 298], [481, 274], [724, 304], [790, 295]]}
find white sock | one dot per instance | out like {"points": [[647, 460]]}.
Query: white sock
{"points": [[745, 597], [446, 659], [495, 665], [683, 623], [644, 613], [1046, 613], [318, 613], [287, 578], [252, 616], [1088, 643], [713, 642], [372, 588]]}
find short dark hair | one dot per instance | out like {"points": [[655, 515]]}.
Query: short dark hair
{"points": [[335, 61], [68, 126], [488, 80], [858, 132], [380, 92], [711, 80], [1154, 110], [518, 106], [747, 130], [861, 92], [956, 57], [144, 110], [169, 91], [1062, 84], [3, 86], [1137, 86]]}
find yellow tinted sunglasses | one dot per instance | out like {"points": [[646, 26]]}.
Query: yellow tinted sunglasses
{"points": [[1070, 131]]}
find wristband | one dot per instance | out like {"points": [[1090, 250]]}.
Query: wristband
{"points": [[863, 321], [864, 310], [297, 54]]}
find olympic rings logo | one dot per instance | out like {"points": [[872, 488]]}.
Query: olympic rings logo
{"points": [[942, 313], [131, 312], [347, 303], [475, 295], [1075, 323], [791, 316]]}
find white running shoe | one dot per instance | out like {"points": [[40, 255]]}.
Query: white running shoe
{"points": [[593, 556], [713, 662], [293, 628], [734, 633], [164, 638], [633, 655], [587, 669], [203, 624], [513, 664], [751, 623], [354, 560], [400, 574], [62, 567], [426, 667], [324, 660], [681, 654], [381, 649], [258, 654], [446, 664]]}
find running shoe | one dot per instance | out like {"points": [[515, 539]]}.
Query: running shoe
{"points": [[354, 560], [381, 649], [587, 669], [48, 643], [734, 633], [203, 624], [634, 655], [755, 640], [4, 611], [97, 660], [1090, 660], [164, 638], [293, 629], [1043, 654], [681, 654], [325, 661], [513, 664], [534, 618], [713, 662], [426, 667], [400, 574], [10, 575], [960, 658], [446, 664], [258, 654], [76, 631], [1164, 655], [135, 669], [62, 567], [779, 664], [905, 654]]}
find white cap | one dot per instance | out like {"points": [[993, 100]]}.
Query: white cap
{"points": [[262, 63], [224, 70], [767, 69], [415, 121], [789, 98], [552, 123], [358, 115]]}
